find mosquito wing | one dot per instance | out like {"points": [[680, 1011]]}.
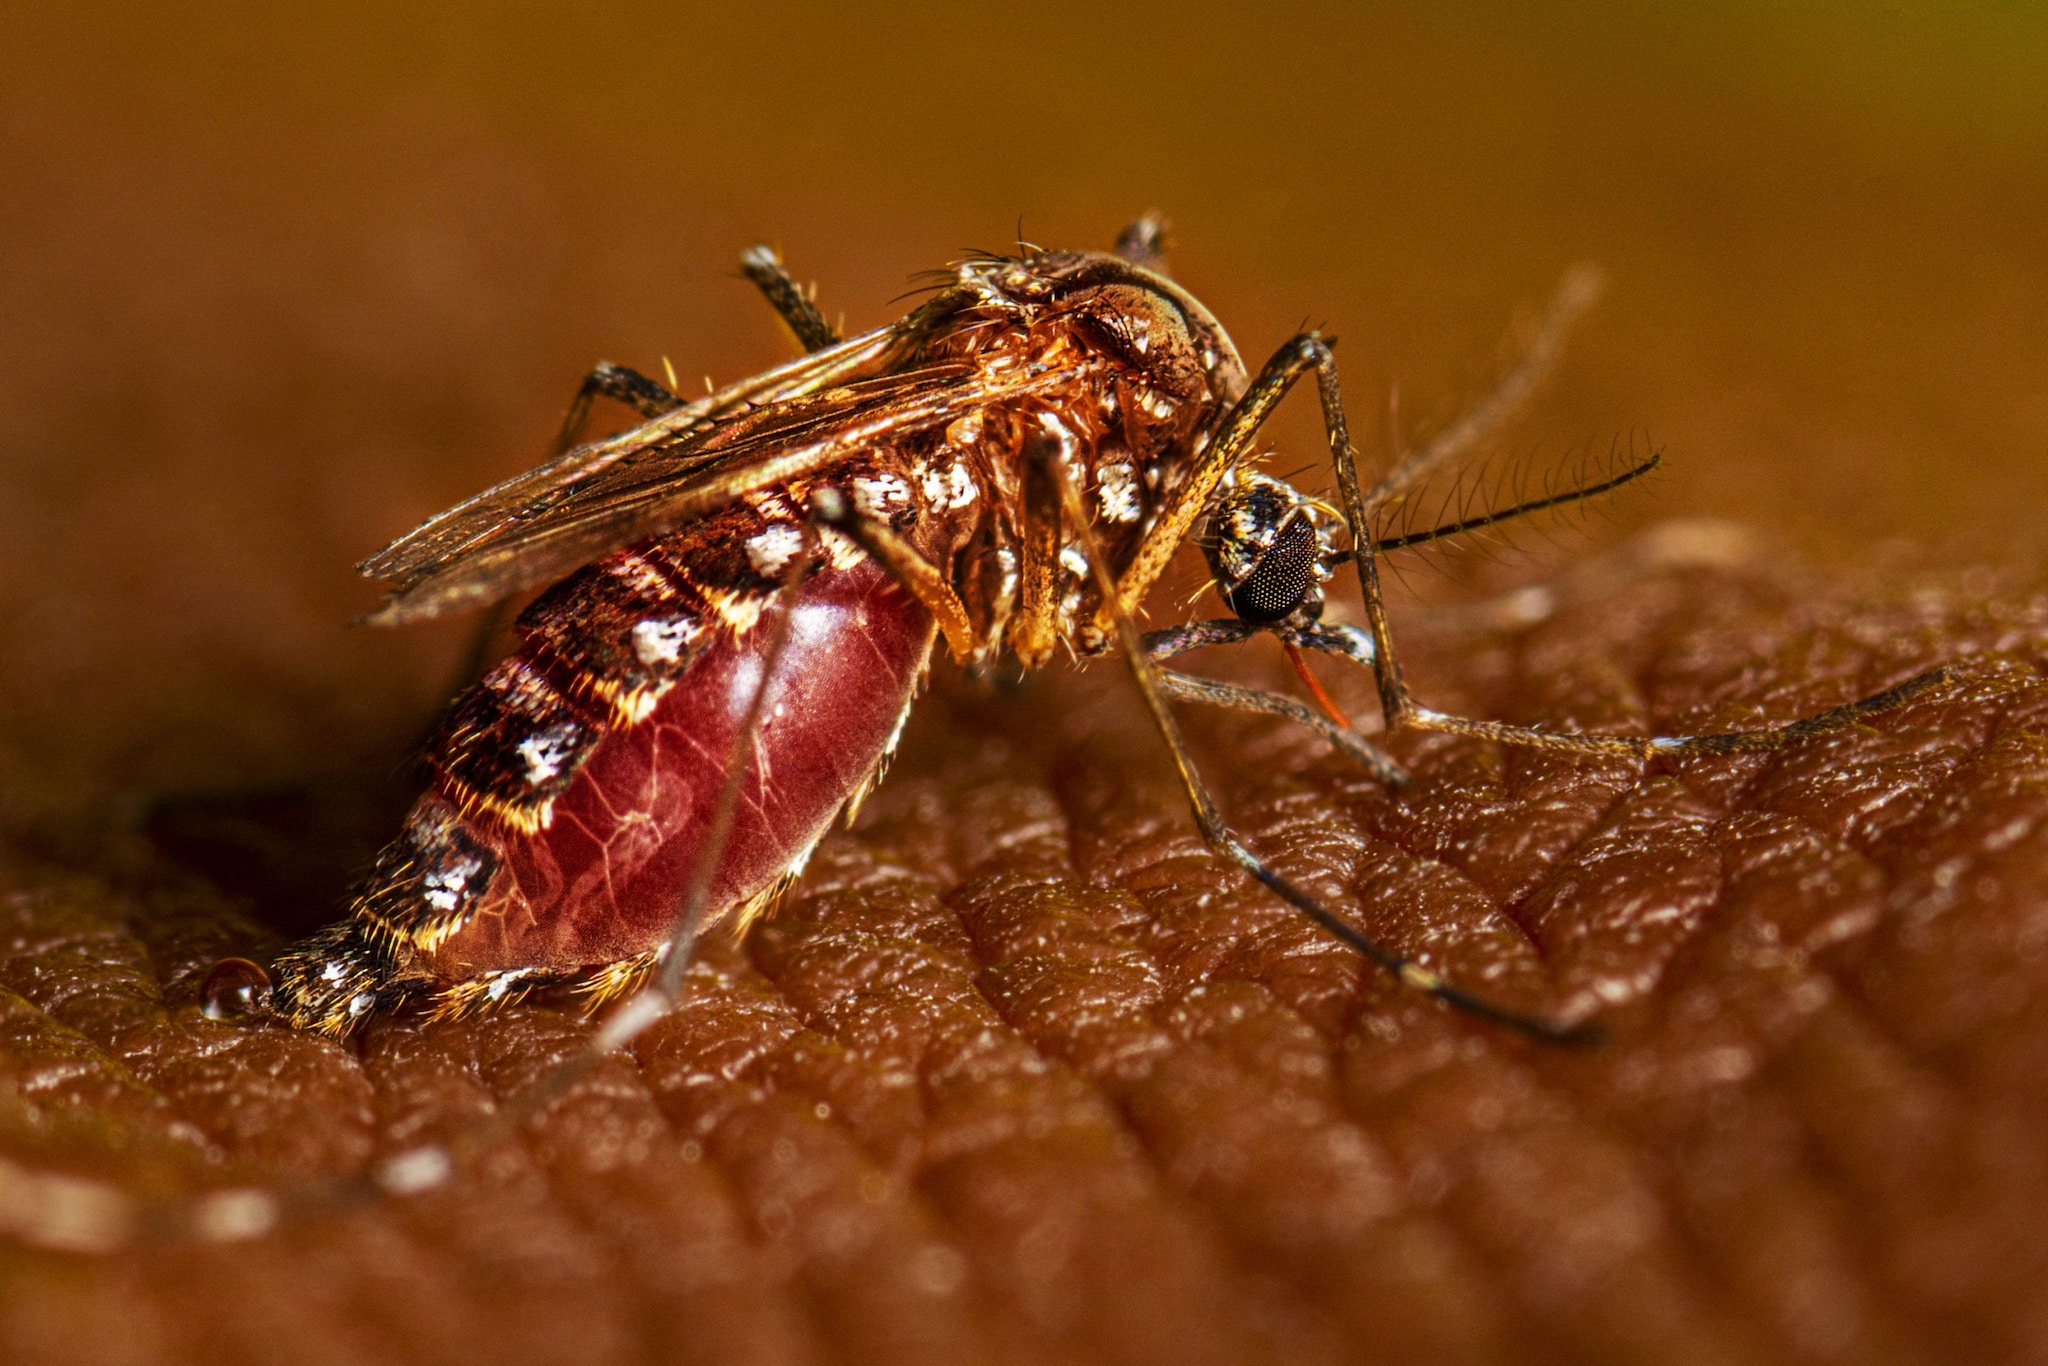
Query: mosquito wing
{"points": [[787, 423]]}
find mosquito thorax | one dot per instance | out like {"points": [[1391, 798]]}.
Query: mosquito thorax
{"points": [[1151, 323], [1268, 550]]}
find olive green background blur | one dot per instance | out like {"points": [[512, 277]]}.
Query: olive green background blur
{"points": [[276, 282]]}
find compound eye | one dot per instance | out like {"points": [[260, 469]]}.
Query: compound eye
{"points": [[1281, 578]]}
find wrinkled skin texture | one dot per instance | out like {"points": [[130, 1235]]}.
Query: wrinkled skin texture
{"points": [[275, 290], [1019, 1074]]}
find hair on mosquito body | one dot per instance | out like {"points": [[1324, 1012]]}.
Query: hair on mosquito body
{"points": [[1005, 471]]}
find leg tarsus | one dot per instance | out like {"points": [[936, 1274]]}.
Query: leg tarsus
{"points": [[648, 397], [1777, 737], [1207, 691], [1346, 642], [798, 310]]}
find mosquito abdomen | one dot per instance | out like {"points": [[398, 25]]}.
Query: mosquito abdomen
{"points": [[574, 783]]}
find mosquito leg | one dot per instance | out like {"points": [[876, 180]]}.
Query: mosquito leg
{"points": [[1182, 687], [910, 569], [1143, 241], [647, 397], [799, 311], [1346, 642], [651, 398], [1231, 444], [1175, 640], [1034, 631], [1240, 428], [1220, 837], [1575, 294], [1403, 712], [1160, 645]]}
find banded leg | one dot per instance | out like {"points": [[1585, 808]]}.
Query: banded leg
{"points": [[1218, 834], [1309, 351], [913, 571], [1176, 640], [1346, 642], [1182, 687], [647, 397], [1162, 645], [651, 398], [799, 311]]}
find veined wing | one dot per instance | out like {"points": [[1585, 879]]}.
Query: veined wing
{"points": [[656, 481], [473, 523]]}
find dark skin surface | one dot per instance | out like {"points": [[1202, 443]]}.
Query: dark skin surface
{"points": [[1020, 1070], [274, 295]]}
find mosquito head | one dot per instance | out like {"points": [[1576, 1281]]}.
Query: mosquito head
{"points": [[1269, 549]]}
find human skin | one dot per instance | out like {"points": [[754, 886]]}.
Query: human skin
{"points": [[1021, 1073], [274, 291]]}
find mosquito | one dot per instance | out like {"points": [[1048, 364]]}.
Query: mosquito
{"points": [[741, 597], [748, 589]]}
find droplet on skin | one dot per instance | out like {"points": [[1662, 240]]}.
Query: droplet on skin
{"points": [[235, 989]]}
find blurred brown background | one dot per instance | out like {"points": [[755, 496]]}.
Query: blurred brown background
{"points": [[276, 282], [279, 281]]}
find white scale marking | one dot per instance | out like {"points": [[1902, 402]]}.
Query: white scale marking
{"points": [[657, 641], [1117, 489], [442, 888], [960, 486], [774, 548], [544, 753], [881, 496]]}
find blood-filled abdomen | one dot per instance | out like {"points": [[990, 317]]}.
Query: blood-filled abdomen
{"points": [[574, 785], [603, 880]]}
